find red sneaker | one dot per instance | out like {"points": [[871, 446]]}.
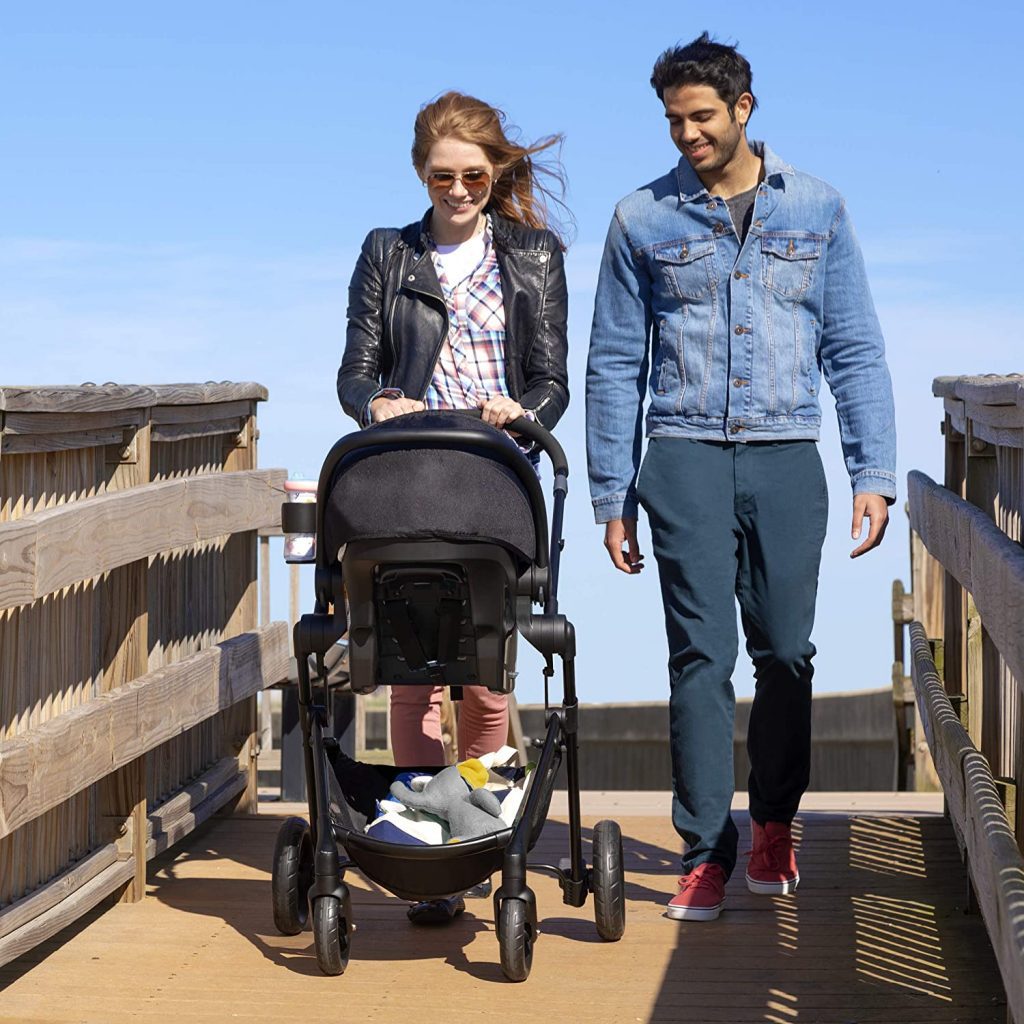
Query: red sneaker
{"points": [[772, 868], [701, 894]]}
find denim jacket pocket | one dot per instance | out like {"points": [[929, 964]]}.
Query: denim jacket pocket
{"points": [[687, 267], [788, 262]]}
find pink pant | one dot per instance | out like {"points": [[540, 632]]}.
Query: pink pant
{"points": [[416, 724]]}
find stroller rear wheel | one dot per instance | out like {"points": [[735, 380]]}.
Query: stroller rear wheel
{"points": [[331, 925], [607, 881], [292, 876], [515, 938]]}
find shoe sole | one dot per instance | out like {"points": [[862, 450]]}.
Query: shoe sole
{"points": [[432, 917], [773, 888], [694, 913]]}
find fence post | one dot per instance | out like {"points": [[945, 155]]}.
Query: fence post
{"points": [[123, 595], [981, 488], [954, 633]]}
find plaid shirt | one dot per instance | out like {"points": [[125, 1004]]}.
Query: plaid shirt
{"points": [[471, 365]]}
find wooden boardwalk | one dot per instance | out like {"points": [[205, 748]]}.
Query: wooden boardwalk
{"points": [[877, 932]]}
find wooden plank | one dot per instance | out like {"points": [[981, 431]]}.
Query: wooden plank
{"points": [[83, 539], [1002, 417], [81, 900], [981, 557], [1002, 436], [841, 950], [998, 572], [26, 444], [177, 414], [107, 397], [18, 545], [947, 738], [212, 392], [115, 728], [997, 870], [954, 409], [926, 577], [70, 422], [123, 596], [87, 398], [193, 794], [17, 914], [176, 829], [943, 522], [198, 428], [988, 389]]}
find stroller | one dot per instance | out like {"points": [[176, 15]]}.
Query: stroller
{"points": [[432, 525]]}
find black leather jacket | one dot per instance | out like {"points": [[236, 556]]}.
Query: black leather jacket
{"points": [[398, 319]]}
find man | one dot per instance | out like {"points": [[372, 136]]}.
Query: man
{"points": [[727, 288]]}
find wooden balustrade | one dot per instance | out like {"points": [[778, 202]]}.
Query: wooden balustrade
{"points": [[130, 652], [967, 644]]}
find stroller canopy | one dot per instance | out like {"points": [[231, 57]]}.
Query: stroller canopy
{"points": [[447, 492]]}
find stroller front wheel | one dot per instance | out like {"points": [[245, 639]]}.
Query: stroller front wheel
{"points": [[331, 934], [515, 938], [607, 881], [292, 876]]}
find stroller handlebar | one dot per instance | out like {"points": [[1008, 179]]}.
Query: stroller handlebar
{"points": [[543, 439]]}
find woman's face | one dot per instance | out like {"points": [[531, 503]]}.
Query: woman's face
{"points": [[459, 178]]}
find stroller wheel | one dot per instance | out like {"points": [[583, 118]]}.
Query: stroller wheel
{"points": [[292, 876], [607, 881], [515, 937], [331, 934]]}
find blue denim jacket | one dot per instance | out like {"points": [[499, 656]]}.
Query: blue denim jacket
{"points": [[739, 335]]}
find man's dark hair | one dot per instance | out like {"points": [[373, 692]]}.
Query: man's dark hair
{"points": [[704, 62]]}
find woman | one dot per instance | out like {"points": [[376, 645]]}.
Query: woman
{"points": [[463, 309]]}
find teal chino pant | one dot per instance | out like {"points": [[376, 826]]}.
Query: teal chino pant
{"points": [[746, 523]]}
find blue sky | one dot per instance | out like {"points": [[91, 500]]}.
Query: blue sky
{"points": [[183, 190]]}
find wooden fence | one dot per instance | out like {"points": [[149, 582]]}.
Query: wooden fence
{"points": [[130, 653], [967, 644]]}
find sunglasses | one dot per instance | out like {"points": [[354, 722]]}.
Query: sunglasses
{"points": [[474, 182]]}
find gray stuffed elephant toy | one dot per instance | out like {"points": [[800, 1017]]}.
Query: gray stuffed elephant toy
{"points": [[469, 812]]}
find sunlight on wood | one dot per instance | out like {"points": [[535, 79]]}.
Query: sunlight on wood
{"points": [[909, 957], [887, 846]]}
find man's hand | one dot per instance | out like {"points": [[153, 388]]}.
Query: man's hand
{"points": [[620, 540], [499, 411], [873, 506], [385, 408]]}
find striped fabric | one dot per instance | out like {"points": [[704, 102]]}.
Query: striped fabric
{"points": [[471, 365]]}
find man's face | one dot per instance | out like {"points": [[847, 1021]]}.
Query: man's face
{"points": [[702, 128]]}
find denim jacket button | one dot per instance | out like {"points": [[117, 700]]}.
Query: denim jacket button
{"points": [[712, 205], [718, 229], [739, 329]]}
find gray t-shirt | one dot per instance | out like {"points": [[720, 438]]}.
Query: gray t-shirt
{"points": [[741, 209]]}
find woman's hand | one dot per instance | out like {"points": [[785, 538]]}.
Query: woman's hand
{"points": [[385, 408], [499, 411]]}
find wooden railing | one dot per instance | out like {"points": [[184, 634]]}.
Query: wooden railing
{"points": [[130, 653], [967, 645]]}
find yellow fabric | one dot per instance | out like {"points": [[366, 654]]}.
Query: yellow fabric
{"points": [[473, 772]]}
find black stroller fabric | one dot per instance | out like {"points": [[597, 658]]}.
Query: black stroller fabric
{"points": [[442, 492]]}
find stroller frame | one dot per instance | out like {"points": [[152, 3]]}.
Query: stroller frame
{"points": [[308, 870]]}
